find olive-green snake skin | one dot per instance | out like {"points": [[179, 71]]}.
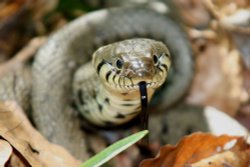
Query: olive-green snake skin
{"points": [[56, 62]]}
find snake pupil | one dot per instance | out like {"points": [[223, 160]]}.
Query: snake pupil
{"points": [[119, 63]]}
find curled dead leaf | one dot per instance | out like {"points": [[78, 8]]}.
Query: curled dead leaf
{"points": [[218, 80], [194, 12], [227, 158], [202, 148], [231, 15], [35, 149], [5, 152]]}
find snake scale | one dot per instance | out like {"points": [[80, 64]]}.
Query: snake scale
{"points": [[53, 68]]}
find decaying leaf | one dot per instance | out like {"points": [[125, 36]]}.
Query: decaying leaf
{"points": [[234, 16], [236, 155], [193, 12], [22, 56], [202, 148], [227, 158], [5, 152], [17, 130], [218, 79], [20, 20], [231, 15]]}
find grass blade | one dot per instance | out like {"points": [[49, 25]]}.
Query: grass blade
{"points": [[114, 149]]}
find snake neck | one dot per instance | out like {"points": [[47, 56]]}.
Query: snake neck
{"points": [[122, 107]]}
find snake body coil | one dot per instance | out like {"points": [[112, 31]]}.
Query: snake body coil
{"points": [[73, 45], [70, 47]]}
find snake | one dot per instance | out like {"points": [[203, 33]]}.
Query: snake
{"points": [[130, 46], [115, 75]]}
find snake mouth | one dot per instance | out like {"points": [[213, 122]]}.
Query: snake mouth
{"points": [[152, 85]]}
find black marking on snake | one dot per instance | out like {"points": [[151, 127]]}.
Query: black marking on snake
{"points": [[160, 69], [118, 72], [144, 107], [189, 130], [106, 40], [126, 99], [102, 3], [165, 129], [165, 66], [133, 113], [109, 123], [79, 94], [113, 78], [168, 55], [93, 94], [107, 75], [118, 37], [119, 81], [106, 100], [99, 107], [128, 104], [99, 67], [120, 116]]}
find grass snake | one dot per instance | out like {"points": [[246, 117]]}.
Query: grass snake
{"points": [[54, 68]]}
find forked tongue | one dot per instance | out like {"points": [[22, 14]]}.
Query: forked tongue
{"points": [[144, 108]]}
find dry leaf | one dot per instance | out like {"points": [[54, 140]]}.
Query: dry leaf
{"points": [[234, 17], [218, 80], [199, 146], [17, 130], [227, 158], [5, 152], [23, 55], [20, 20], [236, 154], [231, 15], [193, 12]]}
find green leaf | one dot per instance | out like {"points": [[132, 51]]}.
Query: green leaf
{"points": [[114, 149]]}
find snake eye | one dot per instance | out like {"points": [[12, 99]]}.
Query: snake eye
{"points": [[119, 63], [155, 58]]}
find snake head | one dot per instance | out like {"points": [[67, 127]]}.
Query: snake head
{"points": [[121, 66]]}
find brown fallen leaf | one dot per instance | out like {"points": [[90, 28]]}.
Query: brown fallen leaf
{"points": [[23, 55], [230, 15], [236, 154], [20, 21], [200, 146], [233, 16], [17, 130], [5, 152], [13, 18], [218, 80], [227, 158], [193, 12]]}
